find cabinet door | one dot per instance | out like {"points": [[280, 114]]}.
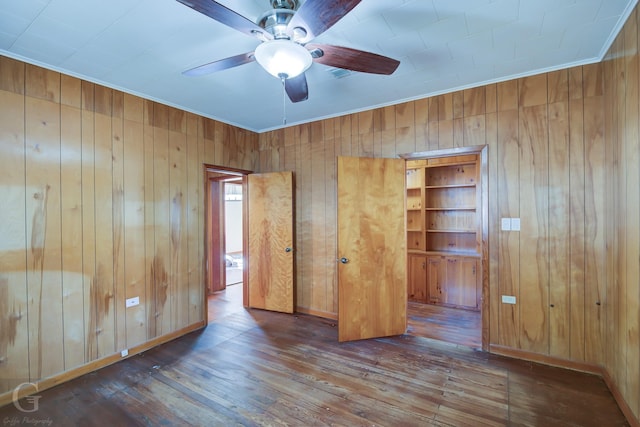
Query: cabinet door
{"points": [[461, 282], [417, 288], [435, 277]]}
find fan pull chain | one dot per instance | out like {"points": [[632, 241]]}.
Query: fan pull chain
{"points": [[284, 102]]}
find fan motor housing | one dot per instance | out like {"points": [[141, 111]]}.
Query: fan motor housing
{"points": [[284, 4]]}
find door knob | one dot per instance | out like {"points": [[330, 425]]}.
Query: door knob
{"points": [[344, 260], [288, 249]]}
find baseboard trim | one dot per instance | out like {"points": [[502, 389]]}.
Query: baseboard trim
{"points": [[94, 365], [546, 360], [617, 395]]}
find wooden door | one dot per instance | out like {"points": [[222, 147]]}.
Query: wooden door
{"points": [[270, 237], [372, 279], [215, 236]]}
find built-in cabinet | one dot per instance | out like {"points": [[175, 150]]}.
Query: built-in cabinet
{"points": [[443, 230]]}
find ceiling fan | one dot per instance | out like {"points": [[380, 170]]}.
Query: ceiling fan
{"points": [[285, 32]]}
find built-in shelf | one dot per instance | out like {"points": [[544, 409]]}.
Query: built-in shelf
{"points": [[452, 231], [465, 208], [433, 187]]}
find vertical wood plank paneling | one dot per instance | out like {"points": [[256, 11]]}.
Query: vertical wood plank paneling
{"points": [[614, 182], [134, 230], [405, 131], [88, 222], [475, 101], [631, 203], [149, 224], [620, 147], [534, 234], [194, 184], [595, 248], [330, 232], [445, 134], [509, 244], [161, 267], [44, 264], [318, 227], [12, 75], [493, 222], [178, 185], [559, 229], [577, 216], [103, 289], [42, 84], [474, 130], [71, 222], [14, 338], [305, 236], [119, 287], [421, 124]]}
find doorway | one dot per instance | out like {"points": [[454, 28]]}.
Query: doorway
{"points": [[225, 241], [267, 238], [447, 231]]}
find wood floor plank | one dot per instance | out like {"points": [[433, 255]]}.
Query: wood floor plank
{"points": [[255, 368]]}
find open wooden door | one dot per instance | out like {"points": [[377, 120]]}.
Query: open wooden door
{"points": [[216, 276], [270, 206], [372, 279]]}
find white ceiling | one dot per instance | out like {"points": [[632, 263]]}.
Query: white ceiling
{"points": [[142, 46]]}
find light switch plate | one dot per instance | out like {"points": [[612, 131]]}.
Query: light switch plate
{"points": [[132, 302], [506, 224], [515, 224], [508, 299]]}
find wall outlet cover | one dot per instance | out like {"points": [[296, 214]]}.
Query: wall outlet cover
{"points": [[124, 353], [508, 299], [132, 302], [505, 224]]}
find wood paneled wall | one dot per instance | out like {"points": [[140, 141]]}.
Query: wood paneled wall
{"points": [[102, 200], [574, 266], [622, 153], [546, 166]]}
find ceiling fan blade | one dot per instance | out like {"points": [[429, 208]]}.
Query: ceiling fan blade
{"points": [[226, 16], [317, 16], [222, 64], [297, 88], [352, 59]]}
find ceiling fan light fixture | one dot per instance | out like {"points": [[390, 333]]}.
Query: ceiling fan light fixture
{"points": [[283, 58]]}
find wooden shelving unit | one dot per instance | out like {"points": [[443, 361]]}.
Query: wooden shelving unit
{"points": [[443, 230]]}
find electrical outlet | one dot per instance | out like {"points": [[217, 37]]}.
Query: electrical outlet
{"points": [[124, 353], [515, 224], [132, 302], [508, 299], [506, 224]]}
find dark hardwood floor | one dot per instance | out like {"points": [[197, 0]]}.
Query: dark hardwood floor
{"points": [[251, 367]]}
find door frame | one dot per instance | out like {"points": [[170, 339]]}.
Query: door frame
{"points": [[214, 175], [482, 151]]}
